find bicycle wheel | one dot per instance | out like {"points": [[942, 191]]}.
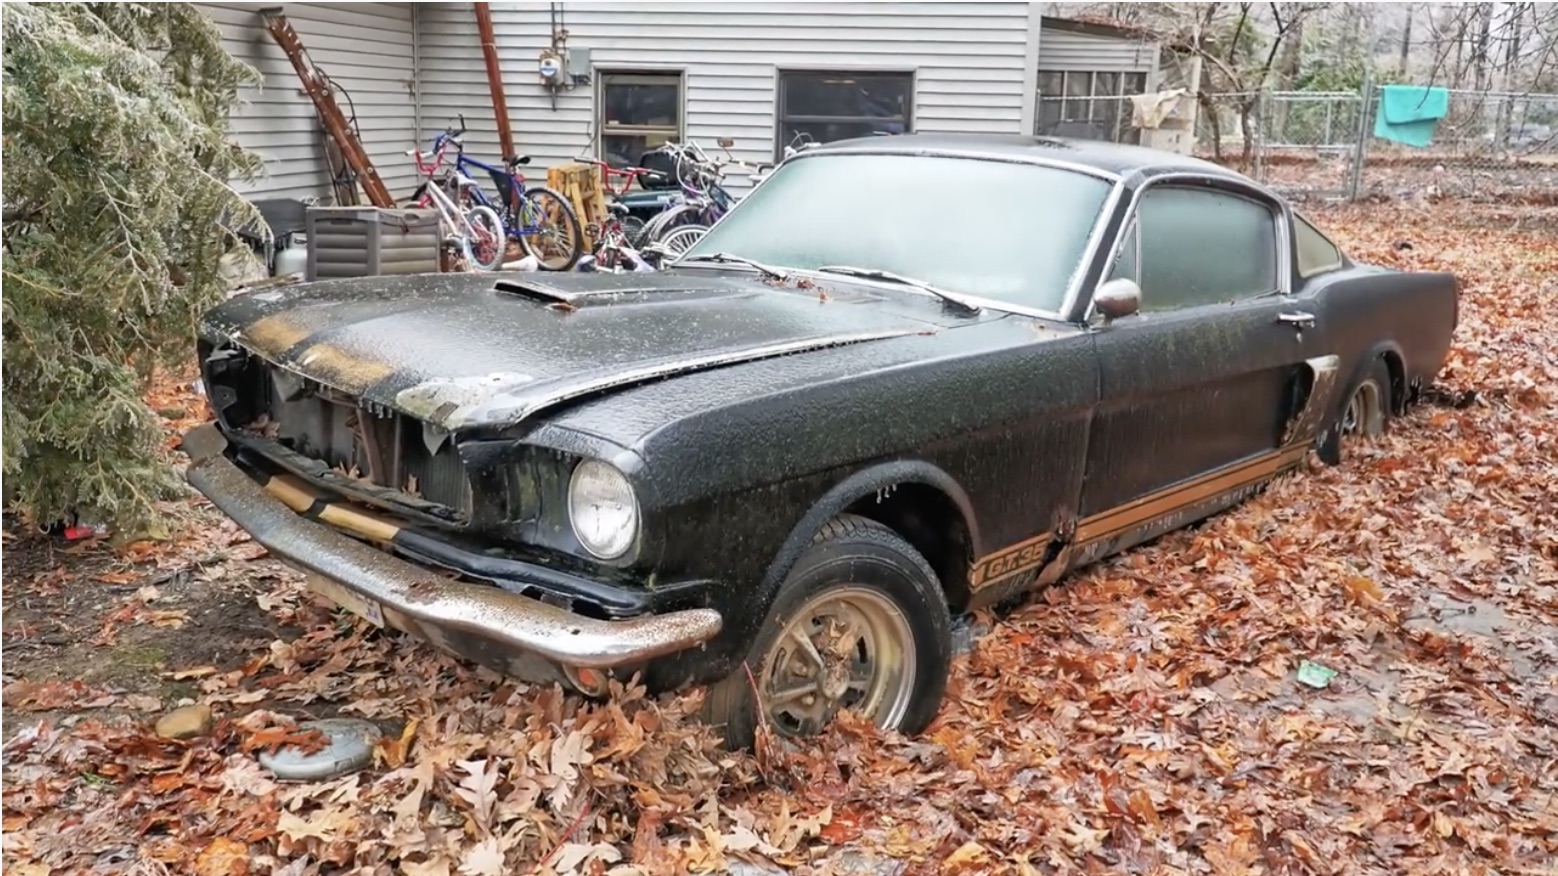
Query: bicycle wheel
{"points": [[487, 244], [549, 230], [681, 239], [633, 230], [671, 220]]}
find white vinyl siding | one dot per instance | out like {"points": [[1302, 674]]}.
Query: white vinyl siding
{"points": [[1063, 49], [968, 60], [365, 47]]}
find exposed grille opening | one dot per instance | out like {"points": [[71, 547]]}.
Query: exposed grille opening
{"points": [[365, 441]]}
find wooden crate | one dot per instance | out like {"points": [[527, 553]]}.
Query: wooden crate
{"points": [[581, 185]]}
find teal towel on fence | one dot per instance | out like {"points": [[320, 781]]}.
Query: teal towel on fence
{"points": [[1409, 113]]}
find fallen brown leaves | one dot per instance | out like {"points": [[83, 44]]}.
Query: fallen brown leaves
{"points": [[1144, 717]]}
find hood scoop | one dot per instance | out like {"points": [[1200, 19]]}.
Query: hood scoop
{"points": [[611, 290], [538, 292]]}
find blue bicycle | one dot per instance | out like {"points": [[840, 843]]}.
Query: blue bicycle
{"points": [[540, 219]]}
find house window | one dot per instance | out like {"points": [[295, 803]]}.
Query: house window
{"points": [[1089, 105], [844, 104], [638, 112]]}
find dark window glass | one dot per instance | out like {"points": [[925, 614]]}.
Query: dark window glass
{"points": [[638, 112], [841, 105], [1200, 246], [640, 100]]}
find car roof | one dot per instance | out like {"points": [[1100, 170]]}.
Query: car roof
{"points": [[1115, 158]]}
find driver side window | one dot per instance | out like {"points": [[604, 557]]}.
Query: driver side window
{"points": [[1192, 246]]}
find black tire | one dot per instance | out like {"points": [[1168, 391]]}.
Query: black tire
{"points": [[849, 554]]}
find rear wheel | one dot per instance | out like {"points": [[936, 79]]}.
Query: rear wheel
{"points": [[549, 230], [1367, 415], [860, 623]]}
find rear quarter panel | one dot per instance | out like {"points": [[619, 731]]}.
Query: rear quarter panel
{"points": [[1368, 310]]}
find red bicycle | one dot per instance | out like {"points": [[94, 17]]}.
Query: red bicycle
{"points": [[619, 225]]}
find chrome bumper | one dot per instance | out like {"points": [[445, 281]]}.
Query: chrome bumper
{"points": [[461, 617]]}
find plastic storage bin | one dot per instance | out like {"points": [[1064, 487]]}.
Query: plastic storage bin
{"points": [[370, 242]]}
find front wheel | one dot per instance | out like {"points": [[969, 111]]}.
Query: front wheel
{"points": [[682, 239], [549, 229], [486, 244], [860, 623]]}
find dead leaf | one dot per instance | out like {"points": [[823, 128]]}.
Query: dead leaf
{"points": [[223, 857]]}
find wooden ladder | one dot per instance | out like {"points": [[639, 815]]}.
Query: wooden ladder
{"points": [[329, 111]]}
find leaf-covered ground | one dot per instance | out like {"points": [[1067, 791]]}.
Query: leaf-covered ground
{"points": [[1142, 717]]}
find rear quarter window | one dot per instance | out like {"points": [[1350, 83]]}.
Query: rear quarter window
{"points": [[1315, 254]]}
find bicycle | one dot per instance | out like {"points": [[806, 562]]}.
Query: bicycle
{"points": [[703, 200], [476, 230], [619, 218], [534, 215]]}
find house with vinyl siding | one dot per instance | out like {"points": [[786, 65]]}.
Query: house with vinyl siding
{"points": [[639, 73]]}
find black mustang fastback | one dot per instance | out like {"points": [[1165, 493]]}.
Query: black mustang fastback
{"points": [[905, 377]]}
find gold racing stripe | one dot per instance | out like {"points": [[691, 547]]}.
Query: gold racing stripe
{"points": [[1030, 553]]}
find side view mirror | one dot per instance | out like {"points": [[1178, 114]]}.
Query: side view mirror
{"points": [[725, 142], [1117, 298]]}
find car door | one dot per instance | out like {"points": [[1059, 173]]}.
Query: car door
{"points": [[1200, 386]]}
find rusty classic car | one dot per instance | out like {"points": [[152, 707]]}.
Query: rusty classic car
{"points": [[851, 413]]}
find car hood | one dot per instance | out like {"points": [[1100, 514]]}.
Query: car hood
{"points": [[489, 350]]}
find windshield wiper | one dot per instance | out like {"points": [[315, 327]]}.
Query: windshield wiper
{"points": [[890, 277], [727, 258]]}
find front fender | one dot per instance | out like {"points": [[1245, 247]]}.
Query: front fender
{"points": [[860, 484]]}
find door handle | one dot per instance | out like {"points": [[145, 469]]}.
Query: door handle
{"points": [[1297, 319]]}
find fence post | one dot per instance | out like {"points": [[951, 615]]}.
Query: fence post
{"points": [[1360, 154]]}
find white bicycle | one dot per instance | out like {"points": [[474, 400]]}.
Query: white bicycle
{"points": [[476, 231]]}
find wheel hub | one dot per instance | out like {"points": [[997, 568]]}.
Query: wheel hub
{"points": [[848, 648]]}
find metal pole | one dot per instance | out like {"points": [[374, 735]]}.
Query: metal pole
{"points": [[500, 107], [1360, 155]]}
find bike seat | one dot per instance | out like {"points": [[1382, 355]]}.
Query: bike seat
{"points": [[516, 160]]}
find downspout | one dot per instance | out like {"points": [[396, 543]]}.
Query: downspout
{"points": [[1029, 113], [416, 76], [500, 108]]}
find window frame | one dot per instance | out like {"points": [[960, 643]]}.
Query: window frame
{"points": [[780, 87], [1124, 88], [603, 77], [1129, 231]]}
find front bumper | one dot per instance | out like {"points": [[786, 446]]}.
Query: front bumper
{"points": [[480, 622]]}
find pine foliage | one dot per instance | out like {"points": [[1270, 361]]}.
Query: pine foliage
{"points": [[117, 210]]}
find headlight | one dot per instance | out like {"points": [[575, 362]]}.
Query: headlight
{"points": [[602, 509]]}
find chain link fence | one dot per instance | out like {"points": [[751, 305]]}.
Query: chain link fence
{"points": [[1323, 145]]}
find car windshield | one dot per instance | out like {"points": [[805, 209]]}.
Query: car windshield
{"points": [[1005, 231]]}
